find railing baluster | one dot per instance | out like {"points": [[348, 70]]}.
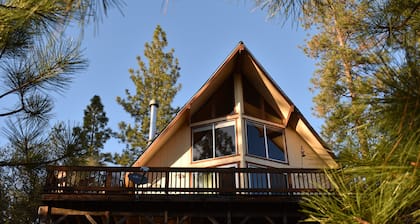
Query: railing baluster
{"points": [[225, 181]]}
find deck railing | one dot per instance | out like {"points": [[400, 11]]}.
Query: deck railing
{"points": [[171, 181]]}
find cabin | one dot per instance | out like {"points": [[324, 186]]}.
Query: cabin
{"points": [[239, 151]]}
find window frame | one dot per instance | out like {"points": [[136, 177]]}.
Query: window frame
{"points": [[266, 146], [213, 126]]}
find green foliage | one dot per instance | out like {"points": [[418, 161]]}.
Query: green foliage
{"points": [[368, 194], [344, 74], [36, 59], [64, 145], [156, 79], [367, 91], [94, 132]]}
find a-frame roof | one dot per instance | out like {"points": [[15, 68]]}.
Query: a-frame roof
{"points": [[242, 61]]}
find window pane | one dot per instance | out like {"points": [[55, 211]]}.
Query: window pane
{"points": [[202, 144], [225, 141], [256, 105], [255, 139], [275, 144], [220, 104]]}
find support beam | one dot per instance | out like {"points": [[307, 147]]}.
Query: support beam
{"points": [[62, 218], [122, 220], [284, 219], [245, 220], [150, 220], [90, 219], [269, 220], [49, 217], [183, 219], [106, 218], [212, 220]]}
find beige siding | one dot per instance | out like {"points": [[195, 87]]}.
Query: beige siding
{"points": [[173, 147], [294, 145], [175, 152]]}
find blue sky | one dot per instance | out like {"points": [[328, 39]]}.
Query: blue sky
{"points": [[203, 33]]}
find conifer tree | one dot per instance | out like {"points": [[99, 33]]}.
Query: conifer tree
{"points": [[368, 69], [156, 79], [36, 60], [94, 132], [345, 66]]}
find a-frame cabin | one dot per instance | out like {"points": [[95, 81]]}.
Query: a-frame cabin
{"points": [[239, 151]]}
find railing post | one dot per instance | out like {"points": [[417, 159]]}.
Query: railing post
{"points": [[166, 181], [108, 180], [227, 182]]}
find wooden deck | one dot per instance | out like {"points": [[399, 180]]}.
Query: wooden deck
{"points": [[179, 192]]}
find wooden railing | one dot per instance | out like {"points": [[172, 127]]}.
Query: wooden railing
{"points": [[173, 181]]}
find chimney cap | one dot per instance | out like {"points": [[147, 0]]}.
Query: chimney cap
{"points": [[153, 102]]}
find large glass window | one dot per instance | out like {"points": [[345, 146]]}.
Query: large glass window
{"points": [[257, 105], [264, 141], [214, 140], [220, 104]]}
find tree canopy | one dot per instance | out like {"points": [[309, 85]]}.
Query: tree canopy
{"points": [[93, 134], [36, 60], [156, 79], [367, 54]]}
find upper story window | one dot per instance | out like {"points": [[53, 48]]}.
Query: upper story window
{"points": [[220, 104], [214, 140], [265, 141], [257, 105]]}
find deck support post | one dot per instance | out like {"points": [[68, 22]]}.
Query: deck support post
{"points": [[122, 220], [284, 219], [183, 219], [49, 218], [90, 219], [269, 220], [150, 220], [212, 220], [244, 220], [106, 217], [165, 217]]}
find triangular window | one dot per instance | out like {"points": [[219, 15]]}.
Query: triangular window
{"points": [[220, 104], [257, 106]]}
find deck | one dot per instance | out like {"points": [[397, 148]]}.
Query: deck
{"points": [[208, 192]]}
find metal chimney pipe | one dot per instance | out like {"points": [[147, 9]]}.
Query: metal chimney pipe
{"points": [[153, 115]]}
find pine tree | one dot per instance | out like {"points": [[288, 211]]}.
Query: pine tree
{"points": [[345, 67], [36, 60], [368, 93], [156, 79], [94, 132]]}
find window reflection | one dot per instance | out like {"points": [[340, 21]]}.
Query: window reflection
{"points": [[214, 140], [203, 144], [225, 141], [256, 141], [275, 144], [265, 141]]}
